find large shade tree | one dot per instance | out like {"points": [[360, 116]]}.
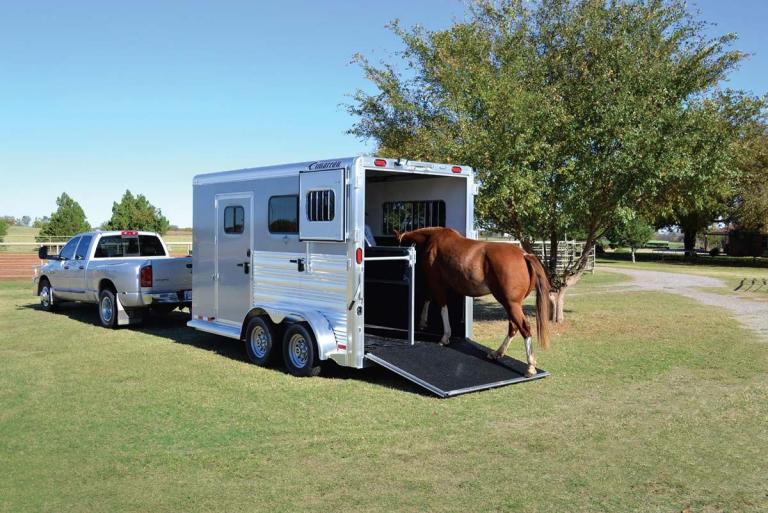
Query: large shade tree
{"points": [[571, 111]]}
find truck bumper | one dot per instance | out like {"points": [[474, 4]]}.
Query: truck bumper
{"points": [[164, 298]]}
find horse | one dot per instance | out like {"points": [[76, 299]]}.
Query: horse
{"points": [[474, 268]]}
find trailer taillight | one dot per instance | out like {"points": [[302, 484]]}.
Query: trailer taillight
{"points": [[359, 256], [380, 162], [145, 276], [456, 169]]}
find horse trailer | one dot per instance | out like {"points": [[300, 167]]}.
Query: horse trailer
{"points": [[300, 261]]}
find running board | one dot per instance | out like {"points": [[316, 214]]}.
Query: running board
{"points": [[459, 368], [216, 328]]}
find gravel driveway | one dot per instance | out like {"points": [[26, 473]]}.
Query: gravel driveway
{"points": [[751, 313]]}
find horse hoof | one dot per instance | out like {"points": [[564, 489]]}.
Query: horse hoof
{"points": [[531, 372], [445, 342]]}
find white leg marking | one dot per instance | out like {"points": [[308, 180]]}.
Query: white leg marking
{"points": [[446, 327], [424, 315], [495, 355], [531, 371]]}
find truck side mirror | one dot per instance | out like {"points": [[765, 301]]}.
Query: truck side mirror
{"points": [[42, 252]]}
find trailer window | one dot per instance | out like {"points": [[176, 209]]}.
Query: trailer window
{"points": [[321, 205], [284, 214], [412, 215], [234, 219]]}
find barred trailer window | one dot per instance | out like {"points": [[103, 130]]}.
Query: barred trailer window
{"points": [[321, 205], [412, 215]]}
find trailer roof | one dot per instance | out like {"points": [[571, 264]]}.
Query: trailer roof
{"points": [[294, 168]]}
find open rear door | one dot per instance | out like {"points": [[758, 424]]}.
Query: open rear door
{"points": [[459, 368]]}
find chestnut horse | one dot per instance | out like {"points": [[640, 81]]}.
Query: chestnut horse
{"points": [[476, 268]]}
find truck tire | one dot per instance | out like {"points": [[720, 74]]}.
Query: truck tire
{"points": [[46, 295], [260, 341], [299, 351], [108, 309]]}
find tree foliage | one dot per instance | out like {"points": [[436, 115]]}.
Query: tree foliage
{"points": [[67, 220], [631, 231], [3, 229], [570, 110], [136, 213]]}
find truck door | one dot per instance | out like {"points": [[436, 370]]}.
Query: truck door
{"points": [[78, 264], [234, 232], [322, 206]]}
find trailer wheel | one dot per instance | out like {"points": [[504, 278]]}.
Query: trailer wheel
{"points": [[108, 308], [299, 351], [46, 295], [259, 341]]}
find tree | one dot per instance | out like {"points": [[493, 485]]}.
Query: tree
{"points": [[136, 213], [3, 229], [24, 221], [67, 220], [750, 201], [570, 111], [632, 231], [40, 222]]}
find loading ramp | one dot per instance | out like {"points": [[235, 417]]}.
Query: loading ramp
{"points": [[446, 371]]}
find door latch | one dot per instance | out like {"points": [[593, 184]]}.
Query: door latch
{"points": [[299, 264], [246, 267]]}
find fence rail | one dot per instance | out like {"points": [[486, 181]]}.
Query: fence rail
{"points": [[568, 252]]}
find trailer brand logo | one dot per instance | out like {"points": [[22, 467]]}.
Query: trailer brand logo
{"points": [[328, 164]]}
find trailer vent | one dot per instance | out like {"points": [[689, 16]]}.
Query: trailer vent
{"points": [[321, 205], [412, 215]]}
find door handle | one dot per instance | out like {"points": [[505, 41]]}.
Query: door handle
{"points": [[66, 267], [299, 264], [246, 267], [81, 267]]}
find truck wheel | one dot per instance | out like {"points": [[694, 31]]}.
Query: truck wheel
{"points": [[46, 296], [259, 341], [299, 351], [108, 309]]}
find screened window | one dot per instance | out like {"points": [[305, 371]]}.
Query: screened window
{"points": [[412, 215], [321, 205], [82, 248], [234, 219], [112, 246], [284, 214], [68, 251]]}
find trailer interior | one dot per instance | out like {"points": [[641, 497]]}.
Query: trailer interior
{"points": [[405, 202]]}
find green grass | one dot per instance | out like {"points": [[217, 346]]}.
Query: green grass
{"points": [[655, 403]]}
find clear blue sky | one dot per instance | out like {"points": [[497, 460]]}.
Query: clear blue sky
{"points": [[97, 97]]}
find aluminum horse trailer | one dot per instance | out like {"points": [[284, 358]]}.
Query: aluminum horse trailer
{"points": [[300, 260]]}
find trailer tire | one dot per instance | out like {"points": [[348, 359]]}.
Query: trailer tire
{"points": [[108, 308], [260, 341], [299, 351], [46, 295]]}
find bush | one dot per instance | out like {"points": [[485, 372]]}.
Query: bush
{"points": [[714, 252]]}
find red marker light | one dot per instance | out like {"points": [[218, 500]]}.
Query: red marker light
{"points": [[359, 256], [456, 169], [380, 162], [128, 233]]}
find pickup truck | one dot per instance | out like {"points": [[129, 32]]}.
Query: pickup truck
{"points": [[127, 273]]}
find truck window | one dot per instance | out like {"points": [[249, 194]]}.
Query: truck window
{"points": [[284, 214], [82, 248], [234, 219], [113, 246], [321, 205], [412, 215], [68, 251]]}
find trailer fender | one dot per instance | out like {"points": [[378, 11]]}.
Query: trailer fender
{"points": [[321, 327]]}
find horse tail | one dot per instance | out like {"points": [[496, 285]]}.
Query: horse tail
{"points": [[542, 299]]}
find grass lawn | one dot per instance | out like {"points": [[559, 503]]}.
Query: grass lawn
{"points": [[655, 403]]}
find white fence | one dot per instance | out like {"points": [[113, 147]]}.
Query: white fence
{"points": [[568, 252], [55, 246]]}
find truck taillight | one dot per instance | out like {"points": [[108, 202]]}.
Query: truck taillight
{"points": [[380, 163], [145, 276]]}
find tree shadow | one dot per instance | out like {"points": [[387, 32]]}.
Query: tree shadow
{"points": [[493, 311], [173, 327]]}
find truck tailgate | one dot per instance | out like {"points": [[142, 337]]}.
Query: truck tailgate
{"points": [[171, 274]]}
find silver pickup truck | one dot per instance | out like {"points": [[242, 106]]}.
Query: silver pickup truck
{"points": [[127, 273]]}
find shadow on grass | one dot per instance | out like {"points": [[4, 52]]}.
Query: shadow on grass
{"points": [[493, 311], [173, 327]]}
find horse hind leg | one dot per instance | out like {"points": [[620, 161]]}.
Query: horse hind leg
{"points": [[502, 350], [446, 326], [525, 330], [424, 315]]}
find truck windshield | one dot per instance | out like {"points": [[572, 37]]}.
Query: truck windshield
{"points": [[113, 246]]}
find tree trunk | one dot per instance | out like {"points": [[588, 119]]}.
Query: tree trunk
{"points": [[633, 254], [557, 305]]}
